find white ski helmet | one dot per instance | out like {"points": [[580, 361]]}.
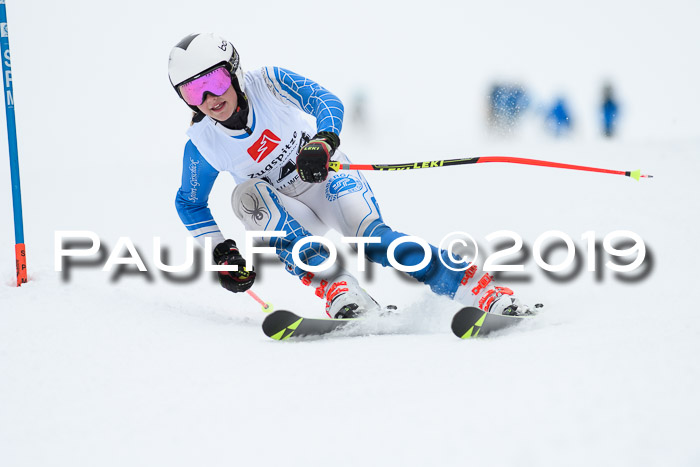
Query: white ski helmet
{"points": [[197, 54]]}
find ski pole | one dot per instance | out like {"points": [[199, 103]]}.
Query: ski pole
{"points": [[266, 307], [20, 251], [337, 166]]}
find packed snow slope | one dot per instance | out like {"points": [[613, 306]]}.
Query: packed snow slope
{"points": [[132, 368]]}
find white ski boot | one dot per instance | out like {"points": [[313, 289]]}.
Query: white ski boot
{"points": [[488, 296], [346, 299]]}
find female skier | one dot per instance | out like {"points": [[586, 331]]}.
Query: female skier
{"points": [[252, 126]]}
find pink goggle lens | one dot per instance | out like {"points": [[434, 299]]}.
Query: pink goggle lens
{"points": [[216, 82]]}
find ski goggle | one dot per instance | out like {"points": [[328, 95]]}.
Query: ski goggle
{"points": [[216, 82]]}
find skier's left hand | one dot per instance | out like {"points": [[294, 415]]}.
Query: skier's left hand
{"points": [[235, 281], [312, 162]]}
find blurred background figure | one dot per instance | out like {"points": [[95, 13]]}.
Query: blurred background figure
{"points": [[358, 111], [609, 111], [558, 118], [506, 105]]}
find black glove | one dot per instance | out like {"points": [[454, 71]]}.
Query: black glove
{"points": [[236, 281], [312, 162]]}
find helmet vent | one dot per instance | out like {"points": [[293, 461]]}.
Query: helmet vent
{"points": [[185, 42]]}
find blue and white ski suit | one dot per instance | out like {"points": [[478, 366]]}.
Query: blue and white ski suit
{"points": [[262, 161]]}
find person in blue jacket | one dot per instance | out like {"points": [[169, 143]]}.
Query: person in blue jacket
{"points": [[609, 111], [558, 119]]}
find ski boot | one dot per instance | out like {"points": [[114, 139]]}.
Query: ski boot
{"points": [[488, 296], [346, 299]]}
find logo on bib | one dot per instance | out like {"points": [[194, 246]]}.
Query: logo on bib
{"points": [[267, 143], [342, 185]]}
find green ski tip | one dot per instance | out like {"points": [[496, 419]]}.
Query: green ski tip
{"points": [[279, 335], [477, 326], [635, 174], [468, 334]]}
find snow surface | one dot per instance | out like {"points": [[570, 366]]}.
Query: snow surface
{"points": [[136, 369]]}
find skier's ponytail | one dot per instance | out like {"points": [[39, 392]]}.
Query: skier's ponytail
{"points": [[196, 117]]}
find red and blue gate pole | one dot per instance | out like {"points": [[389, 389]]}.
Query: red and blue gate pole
{"points": [[20, 251]]}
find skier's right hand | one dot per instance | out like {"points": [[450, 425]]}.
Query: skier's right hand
{"points": [[227, 253]]}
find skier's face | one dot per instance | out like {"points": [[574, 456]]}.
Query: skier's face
{"points": [[220, 107]]}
